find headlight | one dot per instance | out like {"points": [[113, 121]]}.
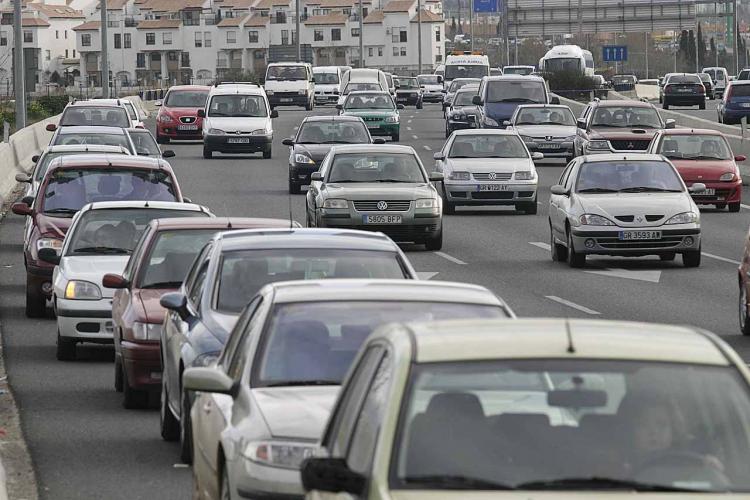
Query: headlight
{"points": [[216, 131], [526, 175], [459, 176], [206, 359], [302, 92], [683, 218], [458, 115], [82, 290], [300, 158], [49, 243], [279, 454], [729, 176], [391, 119], [595, 220], [490, 122], [165, 118], [598, 145], [269, 92], [527, 139], [426, 203], [335, 203], [146, 331], [260, 131]]}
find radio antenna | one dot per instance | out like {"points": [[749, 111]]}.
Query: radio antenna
{"points": [[291, 218]]}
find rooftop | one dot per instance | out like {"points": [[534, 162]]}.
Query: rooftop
{"points": [[232, 22], [33, 21], [56, 11], [88, 26], [151, 24], [329, 19], [376, 16], [428, 17], [398, 6]]}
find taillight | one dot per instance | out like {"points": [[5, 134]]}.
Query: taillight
{"points": [[728, 95], [702, 89]]}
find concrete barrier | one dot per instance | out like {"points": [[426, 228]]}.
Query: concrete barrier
{"points": [[650, 92]]}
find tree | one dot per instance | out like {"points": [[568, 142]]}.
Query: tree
{"points": [[453, 28], [713, 54], [701, 48]]}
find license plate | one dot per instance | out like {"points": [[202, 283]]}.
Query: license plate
{"points": [[381, 219], [373, 125], [493, 187], [640, 235], [238, 140], [187, 127], [746, 104], [401, 99], [548, 145], [683, 90], [706, 192], [285, 99]]}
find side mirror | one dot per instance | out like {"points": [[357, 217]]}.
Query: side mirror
{"points": [[312, 79], [378, 140], [329, 474], [670, 123], [736, 158], [35, 158], [201, 113], [274, 113], [176, 302], [554, 100], [476, 100], [581, 124], [158, 104], [49, 255], [288, 142], [399, 106], [558, 190], [436, 177], [207, 379], [439, 156], [698, 187], [51, 127], [168, 154], [23, 177], [116, 281], [316, 176], [537, 156], [506, 123], [440, 79], [29, 200], [21, 209]]}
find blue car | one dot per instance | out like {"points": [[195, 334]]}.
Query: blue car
{"points": [[735, 103], [499, 96]]}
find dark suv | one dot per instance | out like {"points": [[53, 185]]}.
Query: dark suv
{"points": [[499, 96]]}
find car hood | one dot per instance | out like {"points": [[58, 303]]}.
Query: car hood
{"points": [[637, 204], [149, 299], [371, 112], [242, 124], [477, 165], [326, 87], [315, 151], [380, 190], [92, 268], [546, 130], [447, 494], [703, 170], [296, 412], [57, 226], [622, 133]]}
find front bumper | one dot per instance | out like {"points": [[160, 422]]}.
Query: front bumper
{"points": [[460, 124], [725, 192], [172, 131], [602, 240], [287, 100], [301, 173], [85, 320], [552, 149], [142, 364], [468, 193], [256, 481], [413, 227], [254, 144]]}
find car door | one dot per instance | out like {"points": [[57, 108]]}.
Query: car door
{"points": [[440, 164], [556, 216], [566, 201], [315, 192]]}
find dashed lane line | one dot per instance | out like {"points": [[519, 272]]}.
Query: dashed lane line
{"points": [[544, 246], [719, 257], [415, 137], [572, 305], [408, 128], [746, 207], [427, 148], [450, 258]]}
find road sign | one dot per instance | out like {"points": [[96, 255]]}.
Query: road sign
{"points": [[486, 5], [615, 53]]}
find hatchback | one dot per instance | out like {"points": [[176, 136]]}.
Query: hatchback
{"points": [[683, 89], [178, 118], [735, 105]]}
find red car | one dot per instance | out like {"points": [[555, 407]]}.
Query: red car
{"points": [[744, 280], [158, 265], [178, 114], [704, 156], [70, 183]]}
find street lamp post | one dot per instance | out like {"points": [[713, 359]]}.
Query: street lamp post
{"points": [[419, 37], [18, 66], [361, 37], [296, 26], [104, 52]]}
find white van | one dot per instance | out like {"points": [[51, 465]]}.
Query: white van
{"points": [[327, 81], [720, 78], [290, 84], [362, 79]]}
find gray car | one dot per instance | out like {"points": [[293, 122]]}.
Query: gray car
{"points": [[262, 408], [377, 188], [627, 205], [229, 270], [546, 128]]}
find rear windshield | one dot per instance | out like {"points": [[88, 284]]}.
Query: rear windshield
{"points": [[516, 91], [92, 138], [110, 116], [428, 80], [684, 79], [326, 78], [186, 99], [740, 90], [43, 165]]}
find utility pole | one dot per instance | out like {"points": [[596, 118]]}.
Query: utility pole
{"points": [[736, 30], [506, 29], [104, 52], [697, 24], [646, 49], [296, 27], [18, 66], [471, 23], [361, 37], [419, 37]]}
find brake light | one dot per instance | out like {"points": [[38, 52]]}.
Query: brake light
{"points": [[703, 89], [728, 94]]}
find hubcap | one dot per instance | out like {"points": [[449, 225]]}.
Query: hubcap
{"points": [[743, 306]]}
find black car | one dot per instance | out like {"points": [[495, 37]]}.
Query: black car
{"points": [[462, 113], [683, 89], [708, 84], [408, 92], [314, 139]]}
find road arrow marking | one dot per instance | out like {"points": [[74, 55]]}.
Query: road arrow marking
{"points": [[650, 276], [426, 275]]}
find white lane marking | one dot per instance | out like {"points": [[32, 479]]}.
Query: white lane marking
{"points": [[746, 207], [408, 128], [428, 148], [650, 276], [415, 137], [408, 121], [572, 305], [426, 275], [718, 257], [544, 246], [180, 466], [450, 258]]}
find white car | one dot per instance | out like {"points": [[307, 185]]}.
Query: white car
{"points": [[488, 167], [100, 240], [327, 83], [432, 87], [136, 118], [625, 205], [290, 84]]}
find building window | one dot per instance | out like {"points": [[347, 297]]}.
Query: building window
{"points": [[395, 51], [438, 58], [252, 36], [66, 50], [86, 40], [336, 34], [185, 59], [198, 39], [140, 60], [127, 42], [150, 38], [231, 37], [437, 34], [403, 51], [402, 38], [47, 55], [394, 37], [294, 37], [284, 37], [166, 38], [118, 41], [318, 35], [28, 37], [364, 12], [66, 34], [57, 34], [3, 39], [355, 32], [207, 39], [369, 51], [172, 56], [74, 53], [340, 53], [380, 51]]}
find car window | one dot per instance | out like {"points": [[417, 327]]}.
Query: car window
{"points": [[488, 146], [515, 91], [236, 350], [428, 80], [136, 256], [40, 170], [186, 99], [333, 132], [170, 257], [408, 83], [626, 117], [196, 266], [631, 176], [464, 98], [738, 91], [104, 139], [545, 116], [197, 288], [326, 78], [237, 105], [286, 73], [111, 116], [565, 174], [352, 87], [369, 101], [144, 143], [131, 110], [684, 79], [375, 167]]}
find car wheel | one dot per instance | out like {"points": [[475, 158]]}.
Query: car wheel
{"points": [[294, 187], [395, 137], [226, 492], [308, 106], [419, 105], [667, 257], [559, 252], [186, 430], [207, 153], [744, 319], [36, 301], [691, 258], [66, 348], [170, 426], [575, 259], [434, 243], [734, 207], [160, 139], [665, 105], [702, 105], [132, 399], [267, 153], [118, 374]]}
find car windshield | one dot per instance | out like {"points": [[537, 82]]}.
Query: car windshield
{"points": [[408, 83], [326, 78], [244, 272], [711, 72], [186, 98], [695, 147], [333, 132], [545, 116], [428, 80], [70, 189], [237, 105], [375, 167], [41, 167], [684, 79], [286, 73], [630, 176], [562, 64], [464, 98], [453, 71], [457, 84], [552, 424], [75, 138], [626, 117], [170, 257], [353, 87], [313, 343], [131, 111], [487, 146], [110, 116], [116, 230], [369, 101], [744, 75], [517, 70], [144, 142], [516, 91]]}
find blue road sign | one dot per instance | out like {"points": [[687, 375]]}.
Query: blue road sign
{"points": [[486, 5], [615, 53]]}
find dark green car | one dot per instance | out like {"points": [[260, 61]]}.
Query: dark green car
{"points": [[378, 111]]}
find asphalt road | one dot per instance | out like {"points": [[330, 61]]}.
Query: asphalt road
{"points": [[709, 113], [85, 445]]}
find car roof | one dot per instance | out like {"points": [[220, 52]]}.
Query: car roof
{"points": [[237, 88], [164, 205], [82, 148], [692, 131], [110, 160], [305, 238], [623, 102], [331, 118], [622, 157], [739, 82], [468, 88], [378, 289], [368, 92], [373, 148], [289, 63], [501, 78], [91, 129], [485, 131], [113, 103], [218, 223], [477, 339], [556, 106], [175, 88]]}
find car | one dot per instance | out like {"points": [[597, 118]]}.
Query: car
{"points": [[100, 240], [378, 111], [448, 409], [440, 70], [432, 87], [359, 85], [499, 96], [743, 75], [720, 77], [624, 205], [546, 128], [462, 113], [290, 84], [518, 70], [157, 265], [708, 84], [389, 78], [237, 119], [377, 188], [178, 118], [495, 71], [145, 144], [93, 112], [454, 86], [683, 89], [316, 136], [92, 135], [287, 356], [735, 104], [618, 126], [622, 83], [136, 120], [704, 156], [408, 92], [226, 275], [327, 82], [70, 183], [487, 167]]}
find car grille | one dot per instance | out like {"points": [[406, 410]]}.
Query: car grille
{"points": [[372, 206], [631, 218], [371, 118], [188, 119], [616, 244], [499, 176], [625, 145]]}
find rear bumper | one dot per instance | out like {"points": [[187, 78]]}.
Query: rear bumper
{"points": [[385, 129], [220, 143]]}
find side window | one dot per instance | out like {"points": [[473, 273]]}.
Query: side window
{"points": [[565, 174], [232, 354], [193, 271], [570, 179], [367, 428], [129, 271], [194, 294]]}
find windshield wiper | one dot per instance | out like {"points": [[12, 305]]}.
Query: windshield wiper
{"points": [[163, 284], [456, 482], [597, 190], [610, 125], [702, 157], [61, 211], [345, 180], [102, 249], [644, 189], [300, 383], [603, 483], [396, 180]]}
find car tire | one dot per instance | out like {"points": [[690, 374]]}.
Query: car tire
{"points": [[132, 399], [527, 207], [207, 153], [419, 105], [267, 153], [702, 105], [665, 105], [558, 252], [395, 137], [434, 243], [720, 206], [160, 139], [308, 106], [667, 257], [170, 426], [575, 259], [36, 301], [186, 430], [118, 374], [744, 311], [226, 491], [66, 348], [691, 258], [294, 187], [735, 207]]}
